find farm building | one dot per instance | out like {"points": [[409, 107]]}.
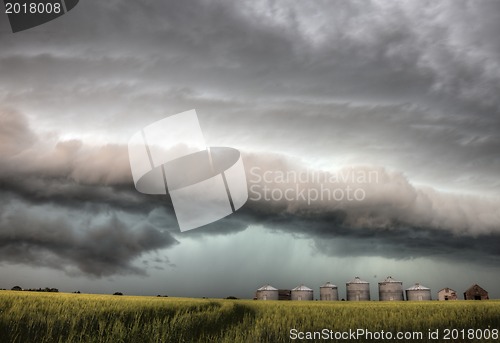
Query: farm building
{"points": [[418, 292], [447, 294], [358, 290], [390, 290], [328, 292], [302, 293], [476, 292], [284, 294], [267, 292]]}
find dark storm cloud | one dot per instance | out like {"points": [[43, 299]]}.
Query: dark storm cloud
{"points": [[28, 236], [50, 196], [412, 242], [396, 219], [363, 50], [333, 235], [66, 172], [408, 85], [431, 148]]}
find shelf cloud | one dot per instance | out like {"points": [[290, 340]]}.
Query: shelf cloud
{"points": [[390, 216], [400, 96]]}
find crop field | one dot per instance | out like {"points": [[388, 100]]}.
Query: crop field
{"points": [[60, 317]]}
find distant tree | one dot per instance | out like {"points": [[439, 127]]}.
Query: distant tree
{"points": [[231, 297], [117, 293], [77, 292], [16, 288]]}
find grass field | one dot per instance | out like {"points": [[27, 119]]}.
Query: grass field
{"points": [[59, 317]]}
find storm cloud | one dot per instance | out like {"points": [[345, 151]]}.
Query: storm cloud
{"points": [[366, 210], [60, 205], [406, 90], [35, 237]]}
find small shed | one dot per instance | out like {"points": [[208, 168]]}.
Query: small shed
{"points": [[476, 292], [447, 294], [284, 294]]}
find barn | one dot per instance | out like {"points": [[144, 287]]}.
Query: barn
{"points": [[476, 292], [447, 294]]}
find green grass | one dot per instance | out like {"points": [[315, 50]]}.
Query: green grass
{"points": [[59, 317]]}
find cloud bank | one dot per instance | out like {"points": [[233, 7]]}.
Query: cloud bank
{"points": [[70, 205]]}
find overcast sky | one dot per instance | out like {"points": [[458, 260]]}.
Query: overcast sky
{"points": [[407, 91]]}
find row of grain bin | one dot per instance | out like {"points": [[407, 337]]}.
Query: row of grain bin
{"points": [[268, 292], [357, 290], [389, 290]]}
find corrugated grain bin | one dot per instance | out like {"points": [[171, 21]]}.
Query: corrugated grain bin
{"points": [[418, 293], [328, 292], [390, 290], [267, 292], [302, 293], [358, 290]]}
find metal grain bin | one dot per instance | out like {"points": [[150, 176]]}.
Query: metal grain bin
{"points": [[358, 290], [390, 290], [302, 293], [418, 292], [328, 292], [267, 292]]}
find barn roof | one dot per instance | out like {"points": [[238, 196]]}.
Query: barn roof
{"points": [[476, 288], [447, 289]]}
